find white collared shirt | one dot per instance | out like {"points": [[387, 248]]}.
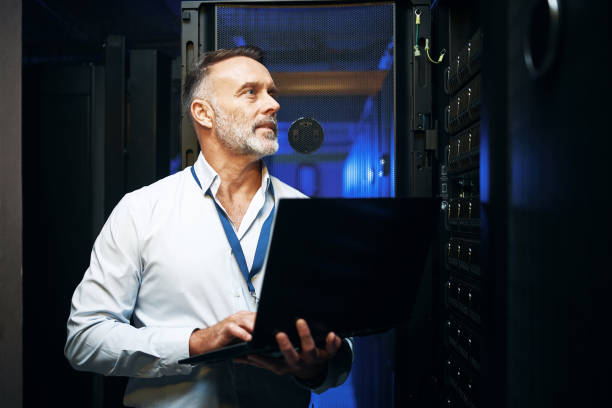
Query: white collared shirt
{"points": [[163, 262]]}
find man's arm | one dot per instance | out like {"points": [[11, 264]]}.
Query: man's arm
{"points": [[100, 337]]}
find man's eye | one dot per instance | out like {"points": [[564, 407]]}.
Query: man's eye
{"points": [[251, 91]]}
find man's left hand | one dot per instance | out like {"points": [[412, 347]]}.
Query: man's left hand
{"points": [[307, 364]]}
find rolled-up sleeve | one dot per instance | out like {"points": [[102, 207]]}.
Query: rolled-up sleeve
{"points": [[100, 336]]}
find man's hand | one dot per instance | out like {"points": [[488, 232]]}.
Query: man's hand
{"points": [[307, 364], [237, 326]]}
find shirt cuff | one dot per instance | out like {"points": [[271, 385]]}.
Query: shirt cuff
{"points": [[176, 347], [338, 369]]}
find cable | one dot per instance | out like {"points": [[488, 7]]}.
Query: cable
{"points": [[440, 58], [417, 51]]}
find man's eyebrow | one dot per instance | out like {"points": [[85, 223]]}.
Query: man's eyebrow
{"points": [[271, 90]]}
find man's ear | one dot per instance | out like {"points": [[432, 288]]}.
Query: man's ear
{"points": [[202, 113]]}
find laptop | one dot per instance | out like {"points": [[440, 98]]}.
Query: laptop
{"points": [[351, 266]]}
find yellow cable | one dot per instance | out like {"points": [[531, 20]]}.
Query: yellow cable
{"points": [[429, 56]]}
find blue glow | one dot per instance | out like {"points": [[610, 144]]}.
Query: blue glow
{"points": [[239, 41], [308, 179], [392, 164], [339, 397], [484, 163], [367, 108], [175, 164], [535, 170], [386, 61]]}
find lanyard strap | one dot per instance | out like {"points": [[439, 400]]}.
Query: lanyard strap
{"points": [[262, 243]]}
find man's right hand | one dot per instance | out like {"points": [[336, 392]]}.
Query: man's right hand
{"points": [[237, 326]]}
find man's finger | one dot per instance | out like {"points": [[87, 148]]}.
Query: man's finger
{"points": [[245, 319], [248, 326], [239, 332], [284, 344], [332, 344], [309, 349]]}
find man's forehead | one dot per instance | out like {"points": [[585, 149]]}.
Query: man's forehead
{"points": [[239, 70]]}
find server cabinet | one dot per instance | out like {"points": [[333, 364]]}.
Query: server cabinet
{"points": [[522, 294], [148, 133], [461, 293], [334, 62], [509, 129], [62, 205], [556, 235]]}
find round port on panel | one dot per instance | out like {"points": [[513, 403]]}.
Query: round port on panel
{"points": [[541, 41]]}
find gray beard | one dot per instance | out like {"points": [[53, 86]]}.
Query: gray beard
{"points": [[235, 134]]}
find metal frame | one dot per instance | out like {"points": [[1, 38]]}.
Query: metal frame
{"points": [[494, 207], [11, 247], [142, 131], [114, 165], [196, 14], [192, 45]]}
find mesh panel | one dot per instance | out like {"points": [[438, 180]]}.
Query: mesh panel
{"points": [[355, 41], [341, 38], [317, 43], [337, 63]]}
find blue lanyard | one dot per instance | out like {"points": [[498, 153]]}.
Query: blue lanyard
{"points": [[262, 243]]}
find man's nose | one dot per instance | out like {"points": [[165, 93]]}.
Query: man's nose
{"points": [[271, 105]]}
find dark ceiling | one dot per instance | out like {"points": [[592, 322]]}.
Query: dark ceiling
{"points": [[299, 39], [76, 30], [63, 30]]}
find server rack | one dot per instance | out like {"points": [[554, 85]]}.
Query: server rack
{"points": [[460, 287], [459, 169], [442, 151], [463, 288], [455, 140], [439, 354], [207, 25]]}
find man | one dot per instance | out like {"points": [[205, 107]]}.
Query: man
{"points": [[164, 262]]}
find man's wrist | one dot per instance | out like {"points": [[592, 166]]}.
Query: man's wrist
{"points": [[193, 343], [317, 380]]}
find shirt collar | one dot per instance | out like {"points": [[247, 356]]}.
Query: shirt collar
{"points": [[209, 178], [265, 177]]}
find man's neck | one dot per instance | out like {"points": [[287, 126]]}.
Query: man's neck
{"points": [[240, 179], [239, 174]]}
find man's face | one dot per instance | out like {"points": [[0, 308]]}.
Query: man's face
{"points": [[245, 108]]}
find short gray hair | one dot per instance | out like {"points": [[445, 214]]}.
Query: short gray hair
{"points": [[196, 75]]}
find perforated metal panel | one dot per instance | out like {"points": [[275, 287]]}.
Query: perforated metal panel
{"points": [[333, 64]]}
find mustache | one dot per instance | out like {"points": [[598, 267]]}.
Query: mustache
{"points": [[269, 121]]}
